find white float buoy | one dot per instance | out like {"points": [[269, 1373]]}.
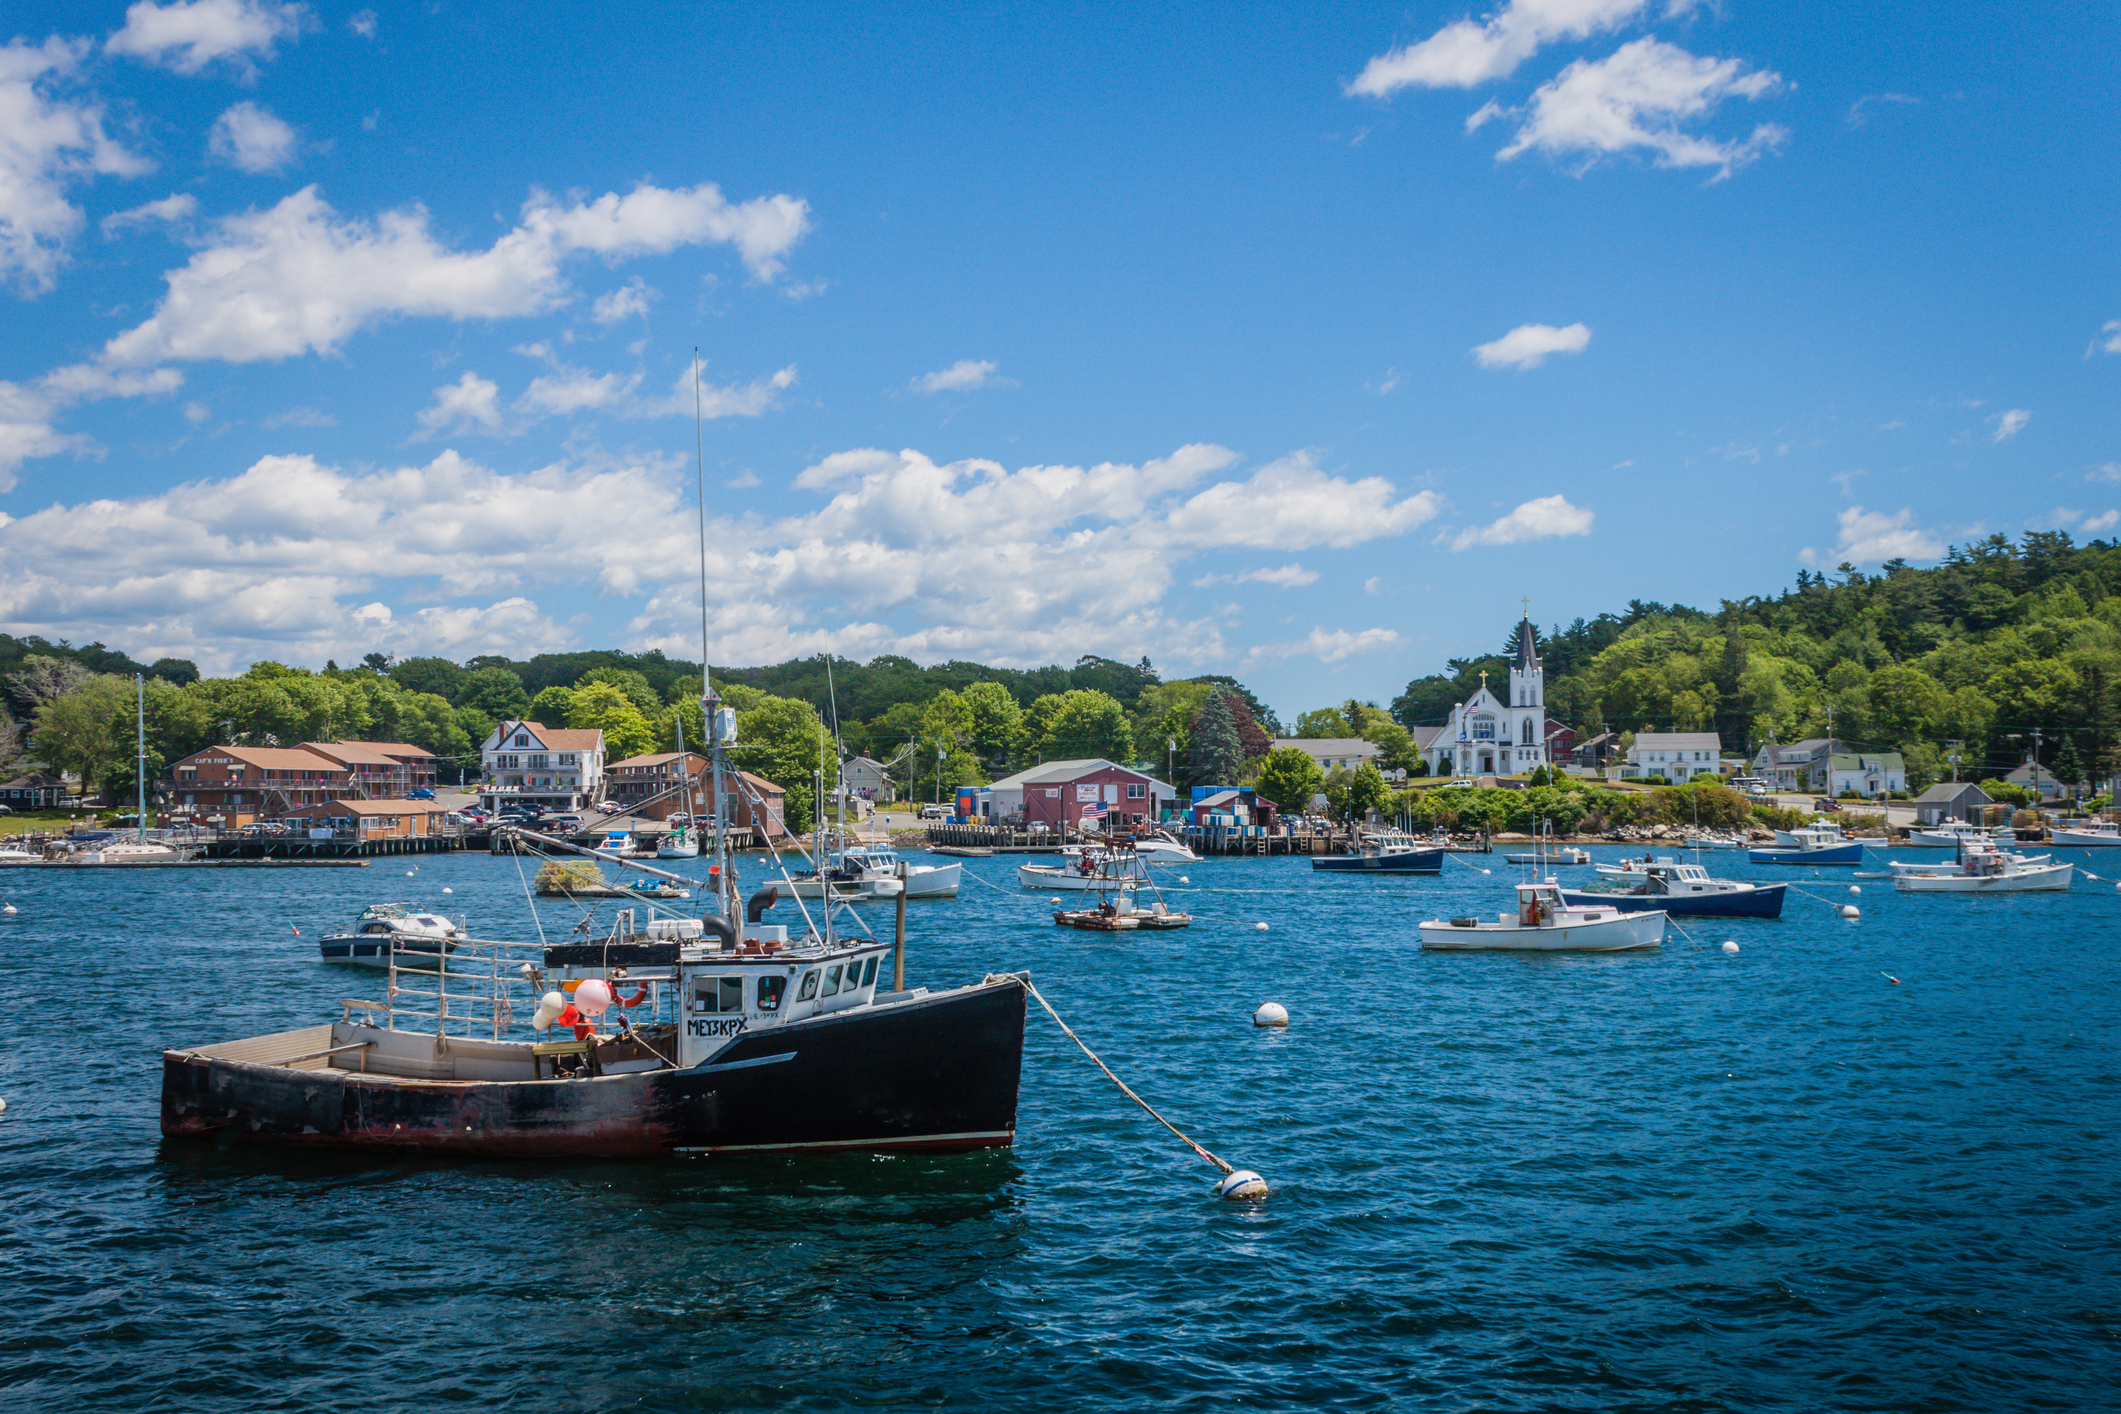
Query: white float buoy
{"points": [[1185, 878], [1731, 948], [10, 908], [449, 891], [1271, 1014], [1259, 927], [3, 1106], [1849, 910], [1240, 1185], [1054, 901], [408, 873], [1855, 888]]}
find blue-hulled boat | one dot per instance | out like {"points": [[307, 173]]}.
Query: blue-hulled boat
{"points": [[1383, 854], [1687, 891]]}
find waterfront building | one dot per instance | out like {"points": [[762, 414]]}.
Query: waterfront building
{"points": [[243, 784], [1870, 774], [1060, 794], [648, 786], [370, 819], [1333, 753], [527, 763], [1676, 756]]}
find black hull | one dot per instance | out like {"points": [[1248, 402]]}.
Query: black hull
{"points": [[1762, 902], [940, 1073]]}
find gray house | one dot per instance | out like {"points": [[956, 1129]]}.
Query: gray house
{"points": [[1950, 800]]}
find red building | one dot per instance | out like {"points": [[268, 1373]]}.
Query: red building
{"points": [[246, 783], [650, 786], [1066, 793]]}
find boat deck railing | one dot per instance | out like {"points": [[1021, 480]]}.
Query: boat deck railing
{"points": [[482, 987]]}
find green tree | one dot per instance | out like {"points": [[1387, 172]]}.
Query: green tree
{"points": [[1085, 723], [497, 692], [783, 740], [644, 697], [554, 706], [996, 719], [436, 675], [626, 731], [1905, 703], [1353, 794], [1324, 722], [73, 730], [1215, 755], [1289, 777]]}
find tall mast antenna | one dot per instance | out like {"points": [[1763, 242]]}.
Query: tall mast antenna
{"points": [[710, 727]]}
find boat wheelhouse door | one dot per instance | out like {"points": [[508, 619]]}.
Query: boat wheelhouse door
{"points": [[721, 1003]]}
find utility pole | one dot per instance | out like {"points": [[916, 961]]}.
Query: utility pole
{"points": [[1957, 742], [2036, 767], [938, 775]]}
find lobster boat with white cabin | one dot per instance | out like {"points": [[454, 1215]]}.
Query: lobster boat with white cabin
{"points": [[1815, 845], [1685, 890], [392, 931], [1100, 870], [1984, 871], [2089, 834], [1545, 922]]}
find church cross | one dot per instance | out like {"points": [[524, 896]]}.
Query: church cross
{"points": [[1527, 602]]}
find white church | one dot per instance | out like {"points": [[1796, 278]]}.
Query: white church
{"points": [[1490, 736]]}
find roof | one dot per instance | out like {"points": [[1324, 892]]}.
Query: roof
{"points": [[1423, 736], [35, 780], [761, 783], [659, 758], [557, 738], [871, 762], [1052, 771], [1678, 741], [1330, 745], [1866, 760], [1527, 645], [370, 807], [271, 758], [393, 748], [351, 753], [1951, 792]]}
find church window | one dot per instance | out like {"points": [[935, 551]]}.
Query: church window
{"points": [[1528, 731], [1483, 728]]}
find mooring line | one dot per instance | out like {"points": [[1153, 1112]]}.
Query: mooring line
{"points": [[1150, 1110]]}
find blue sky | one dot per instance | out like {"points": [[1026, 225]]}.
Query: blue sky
{"points": [[1286, 344]]}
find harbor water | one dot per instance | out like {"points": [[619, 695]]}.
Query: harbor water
{"points": [[1858, 1165]]}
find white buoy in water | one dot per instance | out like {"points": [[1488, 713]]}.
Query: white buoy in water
{"points": [[3, 1105], [1259, 927], [1271, 1014], [408, 873], [1185, 878], [1849, 910], [1054, 901], [449, 891], [1855, 888], [10, 908], [1241, 1185], [1731, 948]]}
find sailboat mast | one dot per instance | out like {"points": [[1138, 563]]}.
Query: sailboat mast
{"points": [[140, 745], [710, 705]]}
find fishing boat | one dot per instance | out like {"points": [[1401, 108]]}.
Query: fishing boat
{"points": [[1545, 922], [1685, 890], [1984, 871], [717, 1034], [1089, 872], [1383, 853], [1123, 915], [1631, 867], [1557, 854], [1710, 839], [843, 880], [1816, 845], [920, 880], [2089, 834], [1950, 834], [679, 842], [388, 931], [132, 852]]}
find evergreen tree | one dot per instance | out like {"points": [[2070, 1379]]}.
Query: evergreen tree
{"points": [[1216, 754]]}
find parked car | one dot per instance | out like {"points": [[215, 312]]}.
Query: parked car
{"points": [[610, 807], [1453, 785], [561, 822], [419, 793], [935, 812], [1824, 804]]}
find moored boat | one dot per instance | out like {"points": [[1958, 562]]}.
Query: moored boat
{"points": [[1685, 890], [1823, 844], [1984, 871], [387, 932], [1951, 834], [2092, 834], [1544, 922], [1386, 853], [1091, 872]]}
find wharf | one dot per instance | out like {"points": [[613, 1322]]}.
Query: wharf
{"points": [[192, 864]]}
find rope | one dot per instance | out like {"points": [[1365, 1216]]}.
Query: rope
{"points": [[1226, 1168]]}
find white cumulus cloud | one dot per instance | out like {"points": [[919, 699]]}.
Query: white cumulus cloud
{"points": [[471, 401], [2010, 424], [625, 302], [1871, 537], [2105, 520], [1328, 646], [178, 206], [960, 377], [1534, 520], [2110, 342], [1640, 97], [252, 139], [1280, 576], [1469, 52], [47, 142], [29, 411], [299, 278], [190, 34], [1528, 345]]}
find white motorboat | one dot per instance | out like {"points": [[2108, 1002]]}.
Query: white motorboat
{"points": [[1711, 840], [679, 843], [387, 932], [1543, 922], [2090, 834], [1950, 834], [1557, 854], [9, 854], [1098, 870], [1635, 868], [847, 881], [133, 852], [921, 880], [1158, 848], [1984, 871]]}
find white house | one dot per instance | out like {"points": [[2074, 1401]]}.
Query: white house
{"points": [[868, 778], [1676, 756], [1333, 753], [1497, 735], [1799, 765], [531, 763], [2040, 781], [1870, 774]]}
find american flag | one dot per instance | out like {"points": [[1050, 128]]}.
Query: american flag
{"points": [[1094, 811]]}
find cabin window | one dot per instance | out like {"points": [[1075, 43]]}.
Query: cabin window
{"points": [[809, 986], [770, 989], [869, 972], [832, 982]]}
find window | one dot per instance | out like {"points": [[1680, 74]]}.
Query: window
{"points": [[869, 972], [718, 994], [832, 982], [770, 990], [522, 738], [1483, 728], [809, 986], [1136, 790]]}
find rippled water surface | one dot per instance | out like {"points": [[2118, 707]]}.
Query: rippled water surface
{"points": [[1683, 1180]]}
